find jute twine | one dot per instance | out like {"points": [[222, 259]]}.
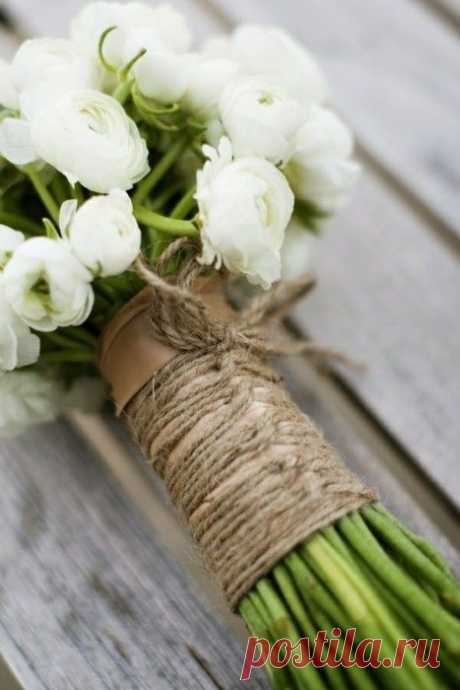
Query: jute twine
{"points": [[252, 475]]}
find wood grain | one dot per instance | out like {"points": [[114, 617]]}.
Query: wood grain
{"points": [[88, 598]]}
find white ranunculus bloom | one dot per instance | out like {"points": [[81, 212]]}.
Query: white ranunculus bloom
{"points": [[27, 398], [16, 142], [245, 207], [144, 25], [9, 97], [9, 241], [44, 69], [206, 81], [47, 286], [88, 137], [18, 346], [52, 59], [90, 23], [321, 170], [103, 233], [273, 53], [136, 23], [259, 119], [161, 75], [298, 251]]}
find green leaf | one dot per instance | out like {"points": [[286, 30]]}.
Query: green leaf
{"points": [[310, 215], [50, 228]]}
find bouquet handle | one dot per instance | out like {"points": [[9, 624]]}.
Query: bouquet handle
{"points": [[240, 460]]}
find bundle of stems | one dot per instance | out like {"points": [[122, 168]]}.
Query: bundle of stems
{"points": [[370, 573]]}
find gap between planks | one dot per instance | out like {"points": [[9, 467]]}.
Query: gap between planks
{"points": [[447, 11]]}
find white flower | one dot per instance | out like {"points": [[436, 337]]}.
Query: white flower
{"points": [[259, 119], [18, 346], [16, 142], [206, 81], [144, 25], [161, 75], [52, 61], [27, 398], [8, 93], [9, 241], [298, 251], [88, 137], [135, 22], [47, 286], [245, 207], [103, 233], [44, 69], [274, 54], [321, 170], [88, 26]]}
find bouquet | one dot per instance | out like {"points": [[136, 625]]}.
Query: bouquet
{"points": [[137, 178]]}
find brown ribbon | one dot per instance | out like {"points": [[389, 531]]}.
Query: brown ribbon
{"points": [[129, 354]]}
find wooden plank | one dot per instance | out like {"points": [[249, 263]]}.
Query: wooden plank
{"points": [[394, 76], [88, 597], [388, 285]]}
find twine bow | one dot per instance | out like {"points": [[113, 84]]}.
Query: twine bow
{"points": [[182, 320]]}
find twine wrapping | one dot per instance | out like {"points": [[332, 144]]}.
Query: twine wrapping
{"points": [[252, 475]]}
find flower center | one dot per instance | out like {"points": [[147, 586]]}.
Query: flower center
{"points": [[266, 99]]}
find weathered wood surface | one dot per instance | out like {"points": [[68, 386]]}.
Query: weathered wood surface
{"points": [[389, 295], [88, 597]]}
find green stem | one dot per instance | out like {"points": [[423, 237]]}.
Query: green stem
{"points": [[421, 543], [179, 228], [185, 205], [18, 222], [283, 627], [44, 194], [60, 188], [124, 73], [161, 168], [123, 91], [64, 341], [81, 334], [100, 49], [424, 569], [107, 291], [441, 623], [160, 200], [380, 620], [257, 627], [68, 356]]}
